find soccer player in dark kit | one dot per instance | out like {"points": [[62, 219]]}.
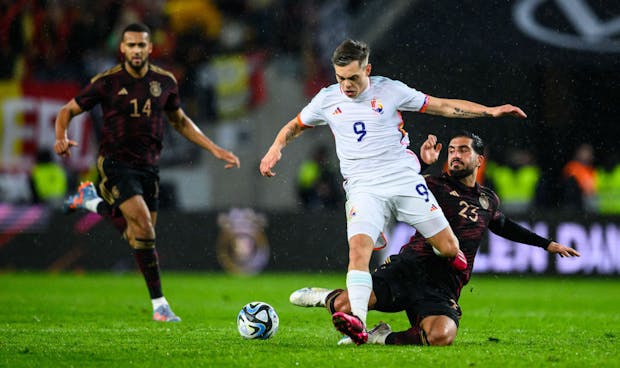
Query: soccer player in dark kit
{"points": [[416, 280], [136, 97]]}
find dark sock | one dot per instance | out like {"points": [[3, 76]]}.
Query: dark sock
{"points": [[413, 336], [103, 209], [148, 261]]}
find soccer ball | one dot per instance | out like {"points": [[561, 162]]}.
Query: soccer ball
{"points": [[257, 320]]}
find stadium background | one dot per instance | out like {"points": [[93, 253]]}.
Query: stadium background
{"points": [[245, 68]]}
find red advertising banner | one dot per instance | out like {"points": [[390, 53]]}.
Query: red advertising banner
{"points": [[27, 113]]}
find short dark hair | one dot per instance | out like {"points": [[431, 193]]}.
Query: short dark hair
{"points": [[349, 51], [136, 27], [476, 142]]}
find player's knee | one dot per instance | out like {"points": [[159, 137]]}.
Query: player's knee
{"points": [[440, 336], [141, 228], [440, 339], [145, 226], [360, 252]]}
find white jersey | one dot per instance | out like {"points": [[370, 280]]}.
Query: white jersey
{"points": [[370, 140]]}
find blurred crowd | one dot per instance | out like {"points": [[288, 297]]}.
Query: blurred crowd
{"points": [[56, 40], [585, 185], [76, 39], [217, 50]]}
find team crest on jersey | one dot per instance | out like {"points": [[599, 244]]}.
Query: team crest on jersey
{"points": [[376, 106], [484, 201], [155, 88], [352, 213]]}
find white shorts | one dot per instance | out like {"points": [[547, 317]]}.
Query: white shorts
{"points": [[370, 210]]}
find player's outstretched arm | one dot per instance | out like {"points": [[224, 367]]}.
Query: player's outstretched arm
{"points": [[509, 229], [186, 127], [451, 108], [562, 250], [290, 131], [63, 144]]}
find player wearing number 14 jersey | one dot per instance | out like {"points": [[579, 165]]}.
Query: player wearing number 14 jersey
{"points": [[379, 171], [134, 125], [136, 98]]}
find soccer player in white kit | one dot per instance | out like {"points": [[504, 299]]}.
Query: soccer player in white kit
{"points": [[381, 175]]}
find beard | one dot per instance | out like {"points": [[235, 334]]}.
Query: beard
{"points": [[459, 174], [136, 67]]}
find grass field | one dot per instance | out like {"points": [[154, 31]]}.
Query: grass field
{"points": [[103, 320]]}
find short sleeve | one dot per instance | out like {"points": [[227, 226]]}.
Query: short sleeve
{"points": [[497, 214], [409, 99], [312, 113], [173, 102], [91, 95]]}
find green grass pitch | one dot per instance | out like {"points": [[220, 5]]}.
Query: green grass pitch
{"points": [[103, 320]]}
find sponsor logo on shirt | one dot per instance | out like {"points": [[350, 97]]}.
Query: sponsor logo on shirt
{"points": [[337, 111]]}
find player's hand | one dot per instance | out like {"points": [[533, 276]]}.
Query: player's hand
{"points": [[429, 151], [459, 262], [62, 147], [269, 161], [563, 251], [231, 159], [507, 110]]}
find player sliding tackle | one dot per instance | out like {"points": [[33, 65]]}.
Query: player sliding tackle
{"points": [[417, 281], [382, 179]]}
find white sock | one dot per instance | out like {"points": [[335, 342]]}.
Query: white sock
{"points": [[359, 286], [158, 302], [92, 204]]}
